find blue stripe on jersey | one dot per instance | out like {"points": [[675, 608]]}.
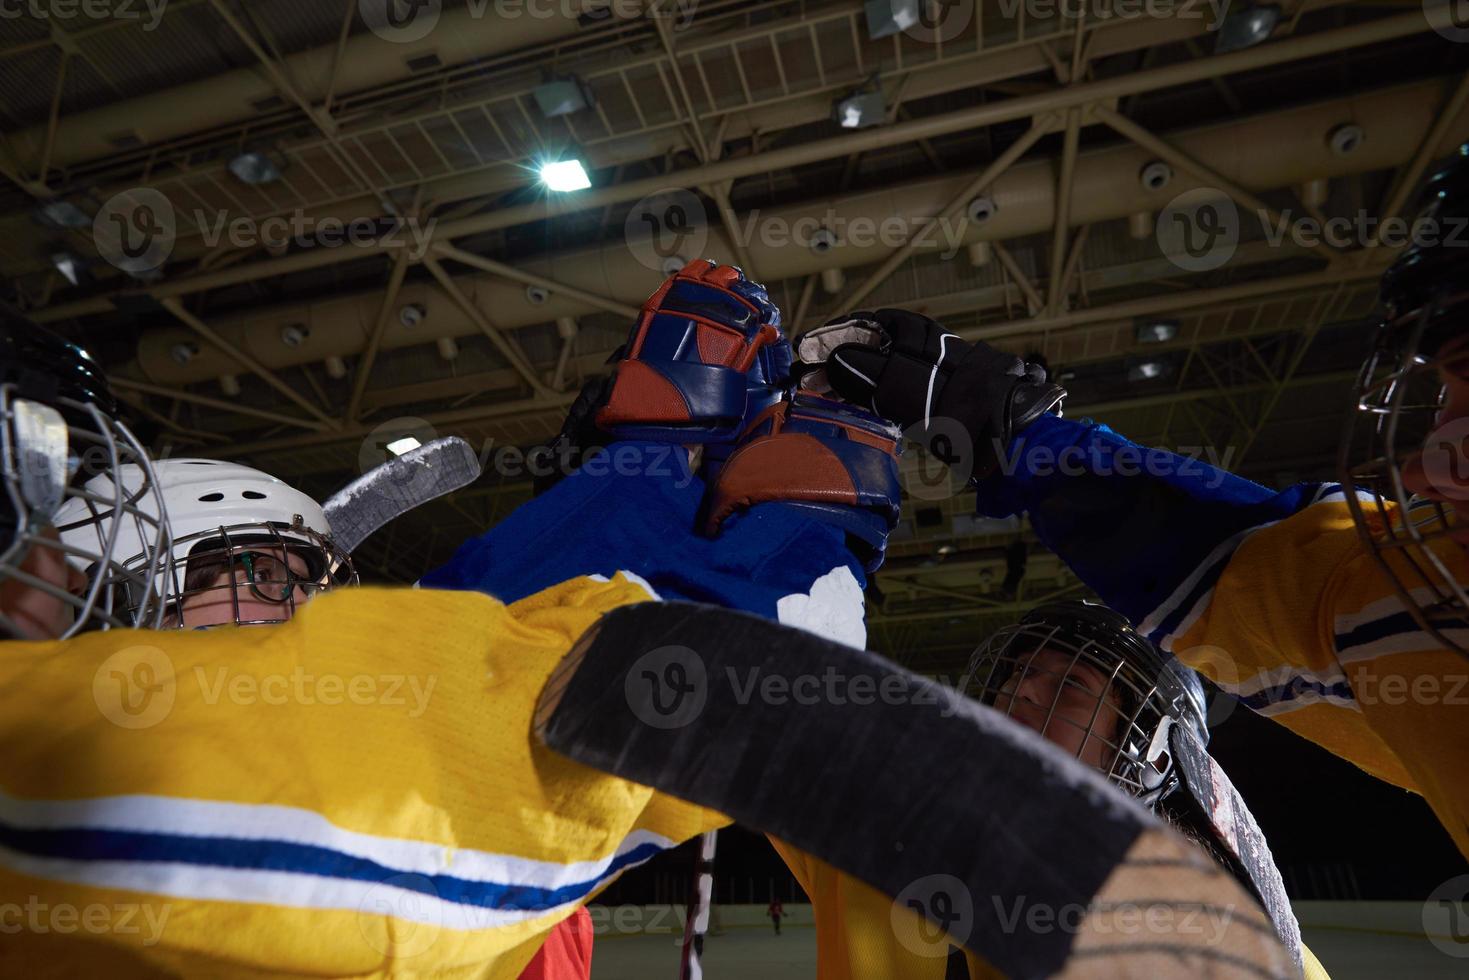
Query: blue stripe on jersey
{"points": [[83, 844], [1133, 523], [1394, 624]]}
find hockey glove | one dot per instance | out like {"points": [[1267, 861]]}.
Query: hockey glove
{"points": [[953, 391], [831, 458], [707, 340]]}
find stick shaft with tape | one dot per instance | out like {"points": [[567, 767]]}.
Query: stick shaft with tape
{"points": [[701, 901]]}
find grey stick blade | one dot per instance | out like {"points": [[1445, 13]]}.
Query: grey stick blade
{"points": [[391, 490]]}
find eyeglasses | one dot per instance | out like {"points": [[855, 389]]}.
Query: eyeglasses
{"points": [[269, 576]]}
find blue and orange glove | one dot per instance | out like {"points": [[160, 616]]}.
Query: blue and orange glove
{"points": [[830, 457], [707, 352]]}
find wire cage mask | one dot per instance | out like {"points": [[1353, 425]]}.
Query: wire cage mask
{"points": [[1399, 395], [1083, 679], [252, 574], [49, 453]]}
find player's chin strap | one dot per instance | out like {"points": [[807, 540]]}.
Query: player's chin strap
{"points": [[1220, 811]]}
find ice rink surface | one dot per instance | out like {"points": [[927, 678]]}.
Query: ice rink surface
{"points": [[756, 954]]}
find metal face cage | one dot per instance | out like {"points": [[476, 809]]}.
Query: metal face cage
{"points": [[1098, 691], [251, 574], [48, 454], [1399, 394]]}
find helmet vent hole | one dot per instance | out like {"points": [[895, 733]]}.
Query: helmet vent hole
{"points": [[252, 495], [210, 498]]}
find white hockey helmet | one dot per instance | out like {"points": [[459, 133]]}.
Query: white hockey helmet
{"points": [[234, 528]]}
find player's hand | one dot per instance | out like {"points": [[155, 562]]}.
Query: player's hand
{"points": [[955, 392], [706, 340]]}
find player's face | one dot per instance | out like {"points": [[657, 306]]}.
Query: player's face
{"points": [[1446, 479], [1069, 702], [253, 584], [38, 614]]}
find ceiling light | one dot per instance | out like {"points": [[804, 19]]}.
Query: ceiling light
{"points": [[1246, 27], [1149, 370], [1157, 331], [887, 17], [69, 264], [255, 167], [400, 446], [861, 110], [62, 214], [562, 97], [565, 175]]}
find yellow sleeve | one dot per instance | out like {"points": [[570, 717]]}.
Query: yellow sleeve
{"points": [[354, 793], [1303, 626], [1313, 968], [862, 934]]}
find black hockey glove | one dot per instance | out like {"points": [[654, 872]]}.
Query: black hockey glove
{"points": [[953, 391], [579, 436]]}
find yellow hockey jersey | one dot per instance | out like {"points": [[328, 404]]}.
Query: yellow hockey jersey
{"points": [[354, 793], [1302, 626]]}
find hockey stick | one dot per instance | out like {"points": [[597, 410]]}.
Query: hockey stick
{"points": [[999, 840], [1234, 828], [701, 898], [391, 490]]}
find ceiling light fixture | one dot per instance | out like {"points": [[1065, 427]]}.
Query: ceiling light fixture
{"points": [[1149, 370], [565, 176], [255, 167], [1157, 331], [69, 264], [562, 97], [862, 109], [62, 214], [1246, 26]]}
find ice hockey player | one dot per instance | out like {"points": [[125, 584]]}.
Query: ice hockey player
{"points": [[1337, 611]]}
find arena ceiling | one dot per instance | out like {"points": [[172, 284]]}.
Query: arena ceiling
{"points": [[1091, 182]]}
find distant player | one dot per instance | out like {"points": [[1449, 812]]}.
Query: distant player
{"points": [[1338, 612]]}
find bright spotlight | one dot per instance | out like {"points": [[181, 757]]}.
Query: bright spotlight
{"points": [[565, 175]]}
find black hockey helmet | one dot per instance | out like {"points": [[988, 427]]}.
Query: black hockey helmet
{"points": [[1080, 674]]}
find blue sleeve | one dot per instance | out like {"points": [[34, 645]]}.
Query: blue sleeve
{"points": [[636, 509], [1136, 524]]}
